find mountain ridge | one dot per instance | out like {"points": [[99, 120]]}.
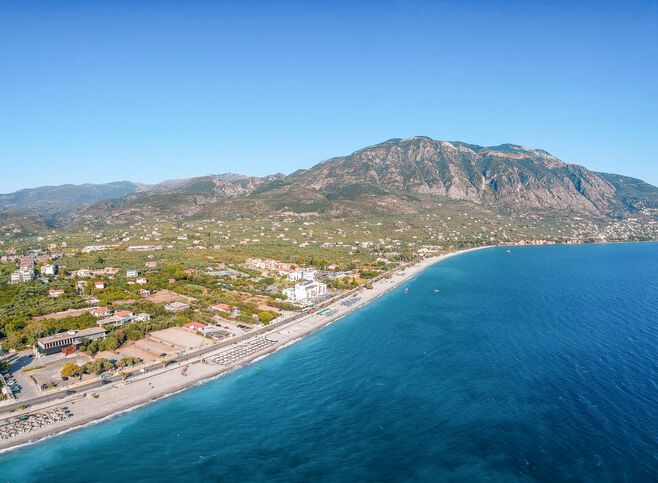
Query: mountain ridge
{"points": [[507, 178]]}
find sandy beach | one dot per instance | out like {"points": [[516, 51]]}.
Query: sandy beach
{"points": [[112, 399]]}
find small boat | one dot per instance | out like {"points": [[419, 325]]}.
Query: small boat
{"points": [[406, 290], [509, 251], [436, 290]]}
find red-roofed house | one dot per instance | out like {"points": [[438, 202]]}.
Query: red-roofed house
{"points": [[126, 315], [194, 326], [101, 312]]}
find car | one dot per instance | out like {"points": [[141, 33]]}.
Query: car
{"points": [[143, 370], [69, 392], [104, 381]]}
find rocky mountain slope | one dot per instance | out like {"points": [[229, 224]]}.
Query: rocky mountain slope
{"points": [[396, 176], [506, 177]]}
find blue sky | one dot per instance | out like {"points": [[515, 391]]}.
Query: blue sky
{"points": [[145, 91]]}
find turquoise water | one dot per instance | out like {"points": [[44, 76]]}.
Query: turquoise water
{"points": [[535, 365]]}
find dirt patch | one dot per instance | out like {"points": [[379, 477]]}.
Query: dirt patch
{"points": [[167, 296], [179, 337], [66, 313]]}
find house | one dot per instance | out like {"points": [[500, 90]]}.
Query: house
{"points": [[73, 338], [55, 293], [229, 309], [176, 307], [305, 291], [26, 263], [190, 271], [151, 264], [141, 281], [101, 312], [144, 292], [142, 317], [215, 332], [132, 273], [126, 315], [49, 269], [83, 273], [112, 320], [309, 273], [99, 285], [143, 248], [194, 326]]}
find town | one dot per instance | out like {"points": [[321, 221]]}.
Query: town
{"points": [[84, 309]]}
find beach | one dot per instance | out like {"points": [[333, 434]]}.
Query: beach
{"points": [[110, 400]]}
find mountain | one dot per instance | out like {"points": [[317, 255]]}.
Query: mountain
{"points": [[398, 176], [508, 177], [51, 203], [181, 197]]}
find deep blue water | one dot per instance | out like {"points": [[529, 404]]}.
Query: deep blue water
{"points": [[540, 364]]}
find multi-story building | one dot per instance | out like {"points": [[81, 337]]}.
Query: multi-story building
{"points": [[305, 291]]}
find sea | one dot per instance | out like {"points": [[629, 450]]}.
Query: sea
{"points": [[499, 365]]}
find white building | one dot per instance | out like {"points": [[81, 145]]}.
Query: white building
{"points": [[305, 291], [309, 273], [305, 274], [22, 275], [132, 273], [49, 270], [295, 276]]}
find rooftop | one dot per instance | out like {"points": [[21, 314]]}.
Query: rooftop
{"points": [[72, 333]]}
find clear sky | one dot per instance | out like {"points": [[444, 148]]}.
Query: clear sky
{"points": [[110, 90]]}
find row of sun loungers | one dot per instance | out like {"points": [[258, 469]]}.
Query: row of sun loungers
{"points": [[33, 422], [243, 351]]}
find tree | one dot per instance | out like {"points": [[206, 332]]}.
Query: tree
{"points": [[265, 317], [70, 370], [98, 366], [128, 361], [110, 343]]}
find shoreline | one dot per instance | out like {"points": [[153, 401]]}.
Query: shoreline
{"points": [[107, 402]]}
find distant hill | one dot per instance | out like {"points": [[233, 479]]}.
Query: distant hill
{"points": [[56, 202]]}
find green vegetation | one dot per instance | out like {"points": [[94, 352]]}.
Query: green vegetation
{"points": [[266, 317], [128, 361], [97, 366], [71, 370]]}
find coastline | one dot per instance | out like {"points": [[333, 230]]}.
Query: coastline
{"points": [[96, 406]]}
